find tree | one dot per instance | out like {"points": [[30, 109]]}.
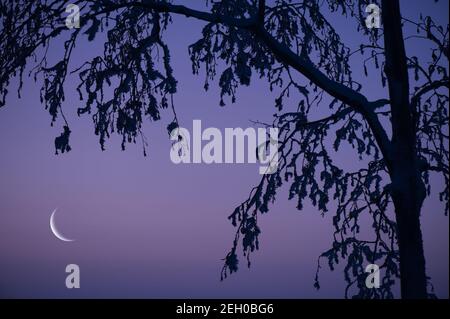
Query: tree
{"points": [[402, 138]]}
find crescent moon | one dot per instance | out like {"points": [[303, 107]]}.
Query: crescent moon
{"points": [[55, 230]]}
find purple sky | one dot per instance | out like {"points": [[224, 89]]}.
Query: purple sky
{"points": [[145, 227]]}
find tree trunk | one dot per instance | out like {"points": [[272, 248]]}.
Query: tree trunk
{"points": [[408, 190], [408, 194]]}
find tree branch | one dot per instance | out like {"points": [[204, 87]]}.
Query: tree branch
{"points": [[261, 11], [427, 88], [337, 90], [284, 54], [185, 11]]}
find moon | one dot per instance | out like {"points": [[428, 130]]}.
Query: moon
{"points": [[55, 230]]}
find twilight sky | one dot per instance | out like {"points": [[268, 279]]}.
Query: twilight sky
{"points": [[145, 227]]}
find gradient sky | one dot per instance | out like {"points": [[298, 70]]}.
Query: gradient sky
{"points": [[145, 227]]}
